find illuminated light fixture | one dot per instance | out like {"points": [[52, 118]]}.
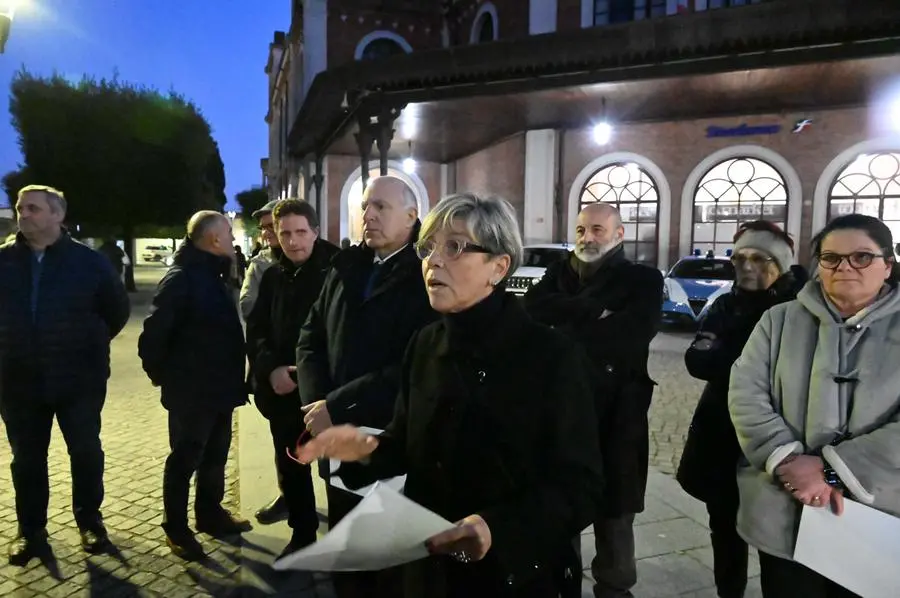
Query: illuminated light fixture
{"points": [[602, 133], [7, 14], [409, 165]]}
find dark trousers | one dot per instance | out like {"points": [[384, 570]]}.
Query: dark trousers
{"points": [[199, 443], [295, 480], [781, 578], [729, 549], [28, 427], [614, 568], [387, 583]]}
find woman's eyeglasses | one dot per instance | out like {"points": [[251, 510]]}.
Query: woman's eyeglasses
{"points": [[754, 260], [450, 249], [858, 260]]}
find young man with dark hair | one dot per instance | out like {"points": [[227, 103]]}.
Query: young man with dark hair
{"points": [[287, 291]]}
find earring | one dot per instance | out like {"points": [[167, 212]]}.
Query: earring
{"points": [[494, 283]]}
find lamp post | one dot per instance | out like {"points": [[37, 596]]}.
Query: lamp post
{"points": [[7, 13]]}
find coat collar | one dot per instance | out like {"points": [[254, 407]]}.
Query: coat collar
{"points": [[189, 255], [508, 329], [64, 239]]}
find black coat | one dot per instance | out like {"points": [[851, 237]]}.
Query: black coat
{"points": [[192, 344], [708, 466], [613, 316], [286, 294], [61, 350], [350, 348], [500, 423]]}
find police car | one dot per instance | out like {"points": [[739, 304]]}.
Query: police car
{"points": [[693, 284], [537, 259]]}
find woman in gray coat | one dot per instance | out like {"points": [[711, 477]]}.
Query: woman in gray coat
{"points": [[814, 400]]}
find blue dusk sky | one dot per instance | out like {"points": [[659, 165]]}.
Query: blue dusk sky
{"points": [[211, 51]]}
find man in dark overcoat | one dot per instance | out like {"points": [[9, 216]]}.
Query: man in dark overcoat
{"points": [[61, 303], [286, 293], [350, 349], [192, 346], [612, 308]]}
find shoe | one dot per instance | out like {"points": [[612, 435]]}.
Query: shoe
{"points": [[23, 548], [95, 539], [273, 512], [185, 546], [297, 542], [222, 524]]}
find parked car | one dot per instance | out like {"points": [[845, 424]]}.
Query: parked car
{"points": [[537, 259], [156, 254], [692, 285]]}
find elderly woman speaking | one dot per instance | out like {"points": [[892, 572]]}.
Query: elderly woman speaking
{"points": [[815, 401], [494, 425]]}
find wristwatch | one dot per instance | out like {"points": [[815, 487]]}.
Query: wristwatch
{"points": [[831, 477]]}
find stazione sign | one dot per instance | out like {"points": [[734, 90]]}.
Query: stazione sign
{"points": [[743, 130]]}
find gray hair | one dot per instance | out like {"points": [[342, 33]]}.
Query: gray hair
{"points": [[409, 197], [201, 223], [489, 221], [55, 198]]}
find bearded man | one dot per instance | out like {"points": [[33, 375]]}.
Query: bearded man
{"points": [[611, 307]]}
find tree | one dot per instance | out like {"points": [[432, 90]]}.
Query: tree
{"points": [[126, 156], [251, 200]]}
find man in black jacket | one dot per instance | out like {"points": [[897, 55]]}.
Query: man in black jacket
{"points": [[192, 346], [612, 308], [350, 348], [286, 294], [764, 277], [61, 304]]}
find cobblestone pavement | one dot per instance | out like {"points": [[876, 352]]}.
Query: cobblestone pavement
{"points": [[135, 442], [674, 400]]}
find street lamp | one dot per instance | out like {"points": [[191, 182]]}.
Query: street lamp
{"points": [[7, 12]]}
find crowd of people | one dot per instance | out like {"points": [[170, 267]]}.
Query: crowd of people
{"points": [[523, 421]]}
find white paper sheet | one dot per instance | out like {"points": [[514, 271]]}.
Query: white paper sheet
{"points": [[384, 530], [859, 550], [396, 483]]}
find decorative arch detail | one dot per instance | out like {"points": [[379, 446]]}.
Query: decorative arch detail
{"points": [[394, 169], [487, 10], [837, 166], [664, 202], [380, 34], [789, 175]]}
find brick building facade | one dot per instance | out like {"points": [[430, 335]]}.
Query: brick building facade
{"points": [[687, 155]]}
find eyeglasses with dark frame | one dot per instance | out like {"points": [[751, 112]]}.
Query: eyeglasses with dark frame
{"points": [[756, 260], [858, 260], [451, 249]]}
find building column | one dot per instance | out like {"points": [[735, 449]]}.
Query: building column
{"points": [[365, 138], [540, 184]]}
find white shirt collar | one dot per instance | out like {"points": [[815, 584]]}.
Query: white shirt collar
{"points": [[379, 260]]}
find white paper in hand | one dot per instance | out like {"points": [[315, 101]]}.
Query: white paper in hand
{"points": [[396, 483], [384, 530], [858, 550]]}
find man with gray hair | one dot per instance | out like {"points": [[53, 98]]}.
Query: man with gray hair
{"points": [[192, 346], [612, 308], [350, 348], [62, 304]]}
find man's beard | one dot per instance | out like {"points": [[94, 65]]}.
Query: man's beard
{"points": [[591, 252]]}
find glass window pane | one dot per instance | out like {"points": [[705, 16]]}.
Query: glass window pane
{"points": [[646, 233], [646, 253], [630, 250], [868, 185], [629, 212], [704, 233], [891, 209], [630, 231], [725, 231]]}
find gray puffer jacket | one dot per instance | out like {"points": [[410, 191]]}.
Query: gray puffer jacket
{"points": [[806, 380]]}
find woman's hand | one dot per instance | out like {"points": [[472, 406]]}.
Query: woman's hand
{"points": [[803, 477], [344, 443], [469, 541]]}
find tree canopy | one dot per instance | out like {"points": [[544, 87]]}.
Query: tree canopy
{"points": [[251, 200], [126, 156]]}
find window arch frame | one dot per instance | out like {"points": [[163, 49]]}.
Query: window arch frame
{"points": [[376, 35], [883, 194], [664, 198], [739, 187], [793, 186], [486, 11]]}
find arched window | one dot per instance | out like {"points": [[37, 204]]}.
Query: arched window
{"points": [[732, 192], [382, 48], [869, 185], [634, 192], [486, 29]]}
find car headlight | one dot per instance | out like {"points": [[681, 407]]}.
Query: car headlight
{"points": [[665, 292], [536, 280]]}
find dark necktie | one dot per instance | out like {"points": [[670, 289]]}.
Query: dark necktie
{"points": [[373, 278]]}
